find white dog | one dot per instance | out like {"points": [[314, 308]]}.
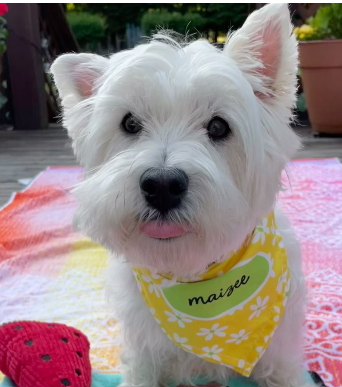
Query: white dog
{"points": [[183, 148]]}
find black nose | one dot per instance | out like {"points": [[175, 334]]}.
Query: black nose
{"points": [[164, 189]]}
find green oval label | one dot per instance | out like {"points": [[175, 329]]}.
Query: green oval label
{"points": [[221, 295]]}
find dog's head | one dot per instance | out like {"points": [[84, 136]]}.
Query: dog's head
{"points": [[183, 145]]}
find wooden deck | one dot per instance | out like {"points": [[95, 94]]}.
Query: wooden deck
{"points": [[23, 154]]}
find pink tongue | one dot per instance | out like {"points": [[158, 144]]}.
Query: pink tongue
{"points": [[162, 230]]}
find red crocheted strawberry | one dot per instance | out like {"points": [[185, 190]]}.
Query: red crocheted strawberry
{"points": [[35, 354]]}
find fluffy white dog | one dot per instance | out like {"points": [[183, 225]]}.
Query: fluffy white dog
{"points": [[183, 148]]}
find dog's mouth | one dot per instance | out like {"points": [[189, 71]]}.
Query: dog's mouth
{"points": [[162, 230]]}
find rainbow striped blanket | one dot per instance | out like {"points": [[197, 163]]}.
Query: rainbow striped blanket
{"points": [[48, 272]]}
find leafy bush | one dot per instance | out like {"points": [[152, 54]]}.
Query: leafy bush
{"points": [[176, 21], [225, 16], [301, 103], [326, 24], [3, 34], [88, 29]]}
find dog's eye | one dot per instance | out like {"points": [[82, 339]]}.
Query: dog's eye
{"points": [[130, 124], [218, 129]]}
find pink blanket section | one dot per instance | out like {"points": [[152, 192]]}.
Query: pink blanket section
{"points": [[314, 206]]}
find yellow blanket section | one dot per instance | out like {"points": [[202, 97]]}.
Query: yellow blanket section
{"points": [[84, 301], [71, 291], [228, 314]]}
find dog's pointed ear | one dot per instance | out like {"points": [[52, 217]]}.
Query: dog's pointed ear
{"points": [[76, 76], [265, 50]]}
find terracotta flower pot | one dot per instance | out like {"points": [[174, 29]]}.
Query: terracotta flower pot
{"points": [[321, 65]]}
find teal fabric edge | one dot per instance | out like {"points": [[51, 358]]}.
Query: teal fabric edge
{"points": [[114, 380]]}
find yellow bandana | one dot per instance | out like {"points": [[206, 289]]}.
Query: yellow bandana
{"points": [[228, 314]]}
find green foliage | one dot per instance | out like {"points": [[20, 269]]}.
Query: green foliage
{"points": [[326, 24], [118, 15], [328, 21], [3, 101], [75, 7], [224, 16], [206, 17], [181, 23], [88, 29], [217, 17], [301, 103], [3, 34]]}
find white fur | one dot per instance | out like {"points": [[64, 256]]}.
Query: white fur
{"points": [[175, 90]]}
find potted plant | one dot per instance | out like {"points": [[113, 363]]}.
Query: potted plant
{"points": [[320, 54]]}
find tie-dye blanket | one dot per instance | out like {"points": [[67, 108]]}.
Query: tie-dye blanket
{"points": [[50, 273]]}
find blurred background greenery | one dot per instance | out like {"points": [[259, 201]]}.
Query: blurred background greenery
{"points": [[113, 27]]}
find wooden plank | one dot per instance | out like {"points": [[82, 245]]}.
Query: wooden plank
{"points": [[23, 154], [26, 67]]}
